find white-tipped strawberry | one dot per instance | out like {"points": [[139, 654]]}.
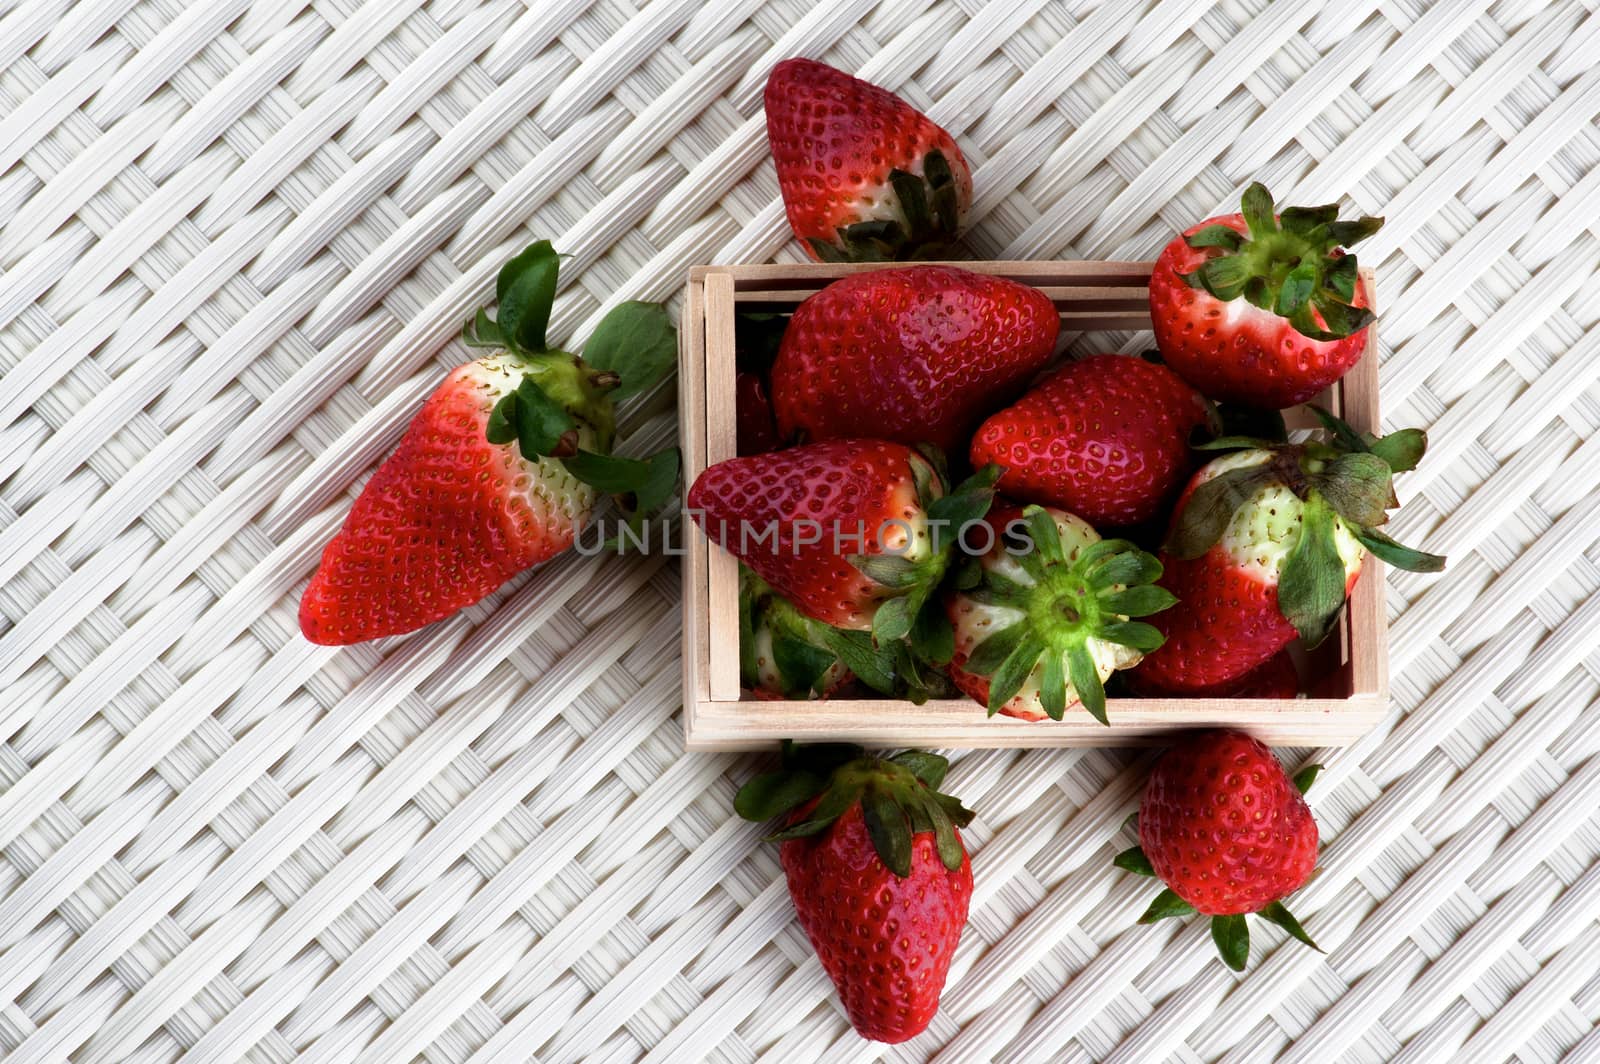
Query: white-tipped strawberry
{"points": [[1046, 617], [499, 470]]}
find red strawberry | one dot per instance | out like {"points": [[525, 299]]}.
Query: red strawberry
{"points": [[865, 176], [757, 432], [878, 874], [496, 472], [1106, 438], [1266, 544], [1045, 619], [1229, 833], [855, 533], [918, 354], [1261, 308], [1278, 678], [781, 653]]}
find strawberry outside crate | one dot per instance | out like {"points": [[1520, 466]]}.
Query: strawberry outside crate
{"points": [[1350, 686]]}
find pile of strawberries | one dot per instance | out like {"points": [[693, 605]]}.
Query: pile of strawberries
{"points": [[920, 503]]}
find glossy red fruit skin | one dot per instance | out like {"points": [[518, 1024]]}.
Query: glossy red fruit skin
{"points": [[916, 355], [1225, 625], [443, 522], [1224, 826], [1106, 438], [757, 431], [886, 942], [835, 138], [850, 485], [1235, 351], [1276, 678]]}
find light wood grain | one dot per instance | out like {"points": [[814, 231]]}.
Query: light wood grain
{"points": [[1350, 693], [692, 422], [721, 444]]}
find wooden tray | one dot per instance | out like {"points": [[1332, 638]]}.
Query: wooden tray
{"points": [[1352, 689]]}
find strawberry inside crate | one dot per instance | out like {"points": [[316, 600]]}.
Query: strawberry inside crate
{"points": [[1103, 308]]}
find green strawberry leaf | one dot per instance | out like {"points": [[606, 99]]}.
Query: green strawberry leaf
{"points": [[1086, 682], [525, 291], [800, 665], [482, 331], [772, 794], [990, 654], [1303, 221], [649, 481], [1166, 904], [871, 665], [1232, 937], [1398, 554], [1139, 601], [1278, 914], [950, 515], [944, 834], [1344, 436], [1357, 486], [1348, 234], [1306, 777], [1142, 637], [1296, 289], [539, 425], [637, 342], [932, 636], [1401, 450], [1134, 860], [929, 768], [1256, 206], [1210, 507], [892, 620], [835, 800], [1216, 236], [1311, 587], [1053, 686], [1013, 672], [891, 570], [888, 829]]}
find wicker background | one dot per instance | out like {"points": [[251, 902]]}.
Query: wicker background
{"points": [[236, 242]]}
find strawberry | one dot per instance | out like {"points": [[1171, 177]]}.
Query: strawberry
{"points": [[498, 471], [1266, 544], [781, 654], [1045, 618], [864, 175], [879, 876], [1277, 678], [1260, 308], [757, 432], [918, 355], [1106, 438], [1229, 833], [855, 533]]}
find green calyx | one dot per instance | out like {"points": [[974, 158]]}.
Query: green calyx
{"points": [[899, 798], [1230, 933], [631, 349], [800, 658], [804, 651], [931, 211], [1288, 264], [911, 612], [1067, 603], [1343, 481]]}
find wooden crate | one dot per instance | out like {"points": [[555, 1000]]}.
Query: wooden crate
{"points": [[1352, 691]]}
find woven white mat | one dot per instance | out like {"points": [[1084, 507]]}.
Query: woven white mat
{"points": [[236, 242]]}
